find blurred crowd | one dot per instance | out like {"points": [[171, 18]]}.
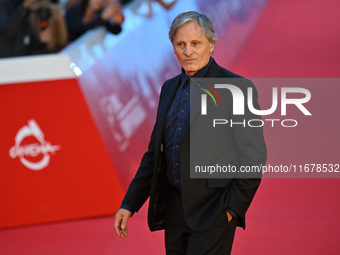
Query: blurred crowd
{"points": [[31, 27]]}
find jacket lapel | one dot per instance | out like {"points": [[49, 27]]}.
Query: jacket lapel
{"points": [[195, 100], [165, 103]]}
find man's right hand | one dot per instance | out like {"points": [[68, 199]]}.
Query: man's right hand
{"points": [[121, 220]]}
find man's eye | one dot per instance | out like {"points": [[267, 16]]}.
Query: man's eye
{"points": [[179, 44], [195, 43]]}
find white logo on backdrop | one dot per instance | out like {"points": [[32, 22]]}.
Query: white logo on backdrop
{"points": [[32, 150]]}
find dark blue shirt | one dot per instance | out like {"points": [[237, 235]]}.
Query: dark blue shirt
{"points": [[177, 120]]}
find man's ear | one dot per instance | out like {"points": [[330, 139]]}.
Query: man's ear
{"points": [[212, 47]]}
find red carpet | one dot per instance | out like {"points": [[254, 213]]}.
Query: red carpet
{"points": [[294, 38]]}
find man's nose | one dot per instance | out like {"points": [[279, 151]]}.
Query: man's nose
{"points": [[188, 51]]}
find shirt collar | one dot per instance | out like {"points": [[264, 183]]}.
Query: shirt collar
{"points": [[200, 73]]}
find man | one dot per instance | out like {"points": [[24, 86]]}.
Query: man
{"points": [[199, 215]]}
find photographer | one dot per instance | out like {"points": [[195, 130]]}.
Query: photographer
{"points": [[16, 34], [49, 26], [88, 14], [29, 27]]}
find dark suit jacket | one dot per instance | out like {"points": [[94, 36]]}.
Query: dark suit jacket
{"points": [[203, 199]]}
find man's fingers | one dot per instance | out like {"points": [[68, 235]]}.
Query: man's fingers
{"points": [[120, 224], [117, 225], [230, 216], [124, 222]]}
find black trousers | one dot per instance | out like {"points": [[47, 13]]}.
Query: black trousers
{"points": [[180, 239]]}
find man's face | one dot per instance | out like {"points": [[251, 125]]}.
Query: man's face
{"points": [[192, 48]]}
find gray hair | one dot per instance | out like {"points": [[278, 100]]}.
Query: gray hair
{"points": [[202, 20]]}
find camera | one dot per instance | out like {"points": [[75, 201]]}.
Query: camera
{"points": [[42, 12]]}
